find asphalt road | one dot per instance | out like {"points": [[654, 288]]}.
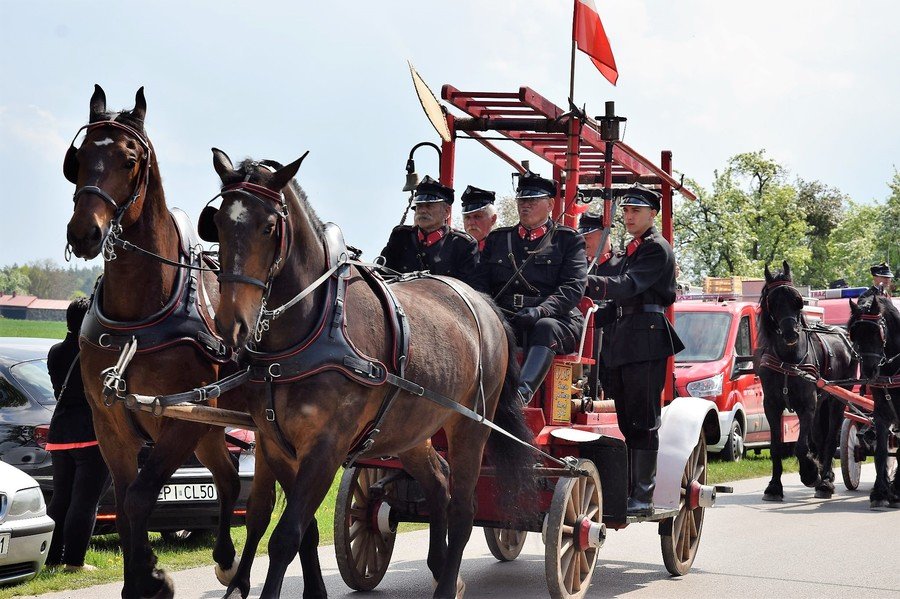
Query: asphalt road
{"points": [[804, 547]]}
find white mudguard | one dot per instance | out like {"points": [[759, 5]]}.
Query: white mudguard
{"points": [[682, 422]]}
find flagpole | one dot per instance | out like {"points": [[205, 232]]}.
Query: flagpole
{"points": [[572, 65]]}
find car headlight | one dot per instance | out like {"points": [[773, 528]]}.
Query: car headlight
{"points": [[27, 503], [710, 387]]}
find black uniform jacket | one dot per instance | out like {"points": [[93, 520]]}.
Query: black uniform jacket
{"points": [[554, 280], [646, 276], [454, 255], [71, 421]]}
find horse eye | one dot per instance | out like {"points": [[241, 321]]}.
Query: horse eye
{"points": [[129, 164], [270, 228]]}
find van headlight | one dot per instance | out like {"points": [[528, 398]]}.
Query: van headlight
{"points": [[710, 387], [27, 503]]}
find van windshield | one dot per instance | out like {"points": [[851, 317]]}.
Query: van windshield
{"points": [[704, 335]]}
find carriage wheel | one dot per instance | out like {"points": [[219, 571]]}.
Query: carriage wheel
{"points": [[505, 543], [851, 467], [576, 513], [363, 551], [680, 536]]}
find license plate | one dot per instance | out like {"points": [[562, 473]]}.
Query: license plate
{"points": [[4, 543], [188, 492]]}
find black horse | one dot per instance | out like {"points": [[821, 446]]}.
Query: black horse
{"points": [[788, 347], [874, 328]]}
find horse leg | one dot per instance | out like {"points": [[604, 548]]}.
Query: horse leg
{"points": [[774, 490], [173, 446], [809, 469], [213, 453], [313, 583], [318, 465], [432, 473], [466, 442], [259, 512], [832, 413], [123, 469], [879, 498]]}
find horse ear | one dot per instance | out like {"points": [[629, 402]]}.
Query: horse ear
{"points": [[874, 306], [787, 269], [140, 105], [768, 274], [283, 176], [222, 164], [98, 104], [854, 308]]}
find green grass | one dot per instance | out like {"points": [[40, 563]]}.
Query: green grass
{"points": [[752, 466], [48, 329]]}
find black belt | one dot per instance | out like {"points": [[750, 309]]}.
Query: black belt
{"points": [[648, 308], [517, 301]]}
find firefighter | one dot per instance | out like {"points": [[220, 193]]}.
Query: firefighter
{"points": [[882, 277], [641, 339], [536, 271], [431, 244], [479, 213]]}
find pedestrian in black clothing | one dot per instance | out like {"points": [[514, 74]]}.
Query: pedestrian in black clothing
{"points": [[79, 472], [540, 298], [431, 244], [641, 338]]}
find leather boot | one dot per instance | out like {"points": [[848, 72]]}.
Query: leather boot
{"points": [[534, 369], [643, 482]]}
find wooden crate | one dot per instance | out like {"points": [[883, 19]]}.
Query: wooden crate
{"points": [[722, 285]]}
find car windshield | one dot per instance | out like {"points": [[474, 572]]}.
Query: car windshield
{"points": [[703, 334], [33, 377]]}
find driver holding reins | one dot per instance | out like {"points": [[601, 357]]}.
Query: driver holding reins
{"points": [[641, 338], [536, 272]]}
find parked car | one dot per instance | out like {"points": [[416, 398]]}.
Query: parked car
{"points": [[187, 502], [25, 527], [717, 364]]}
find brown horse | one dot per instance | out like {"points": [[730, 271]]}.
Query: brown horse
{"points": [[120, 196], [272, 246]]}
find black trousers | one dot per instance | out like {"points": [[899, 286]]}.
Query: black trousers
{"points": [[79, 478], [559, 335], [636, 388]]}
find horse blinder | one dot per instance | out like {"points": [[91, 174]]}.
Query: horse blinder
{"points": [[70, 165], [206, 225]]}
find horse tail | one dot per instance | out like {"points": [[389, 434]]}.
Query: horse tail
{"points": [[516, 482]]}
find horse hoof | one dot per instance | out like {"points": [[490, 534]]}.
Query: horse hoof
{"points": [[823, 494], [772, 497], [460, 587], [879, 505], [167, 590], [234, 594], [225, 576]]}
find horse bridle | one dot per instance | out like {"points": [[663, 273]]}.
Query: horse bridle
{"points": [[769, 288], [115, 226], [872, 320]]}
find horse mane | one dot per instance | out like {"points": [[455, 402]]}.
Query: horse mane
{"points": [[886, 307], [248, 170], [767, 329]]}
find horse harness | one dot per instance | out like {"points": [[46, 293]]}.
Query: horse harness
{"points": [[179, 322]]}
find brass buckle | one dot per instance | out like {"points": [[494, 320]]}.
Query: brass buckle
{"points": [[518, 300]]}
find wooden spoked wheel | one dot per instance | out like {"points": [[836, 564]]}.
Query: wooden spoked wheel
{"points": [[363, 551], [505, 543], [568, 561], [680, 536], [851, 466]]}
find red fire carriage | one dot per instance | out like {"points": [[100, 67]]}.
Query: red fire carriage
{"points": [[576, 509]]}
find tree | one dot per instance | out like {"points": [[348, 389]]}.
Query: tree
{"points": [[13, 281], [749, 219], [851, 245], [887, 241], [824, 207]]}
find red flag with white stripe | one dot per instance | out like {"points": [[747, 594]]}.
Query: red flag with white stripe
{"points": [[590, 38]]}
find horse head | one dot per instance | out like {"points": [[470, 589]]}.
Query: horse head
{"points": [[254, 234], [781, 306], [110, 170], [868, 333]]}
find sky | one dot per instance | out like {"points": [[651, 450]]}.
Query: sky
{"points": [[814, 83]]}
